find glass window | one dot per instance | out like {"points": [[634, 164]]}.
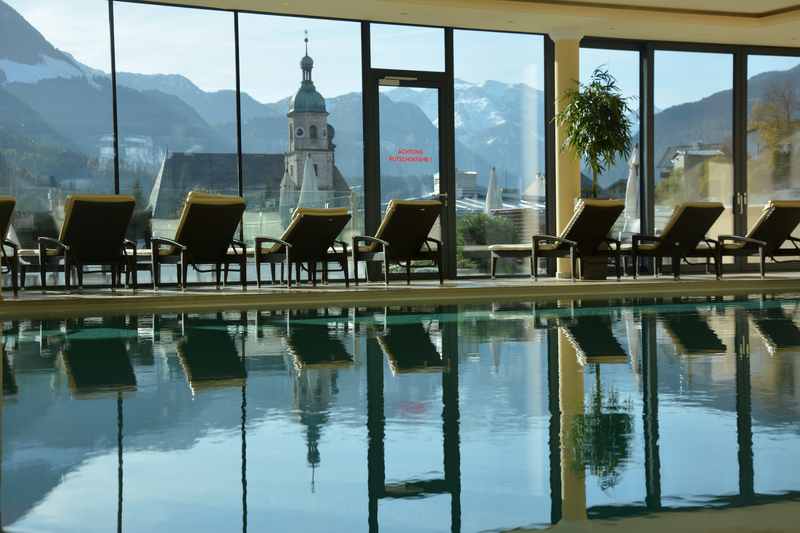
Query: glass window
{"points": [[693, 124], [773, 126], [407, 47], [500, 145], [176, 82], [56, 120], [622, 180], [301, 101]]}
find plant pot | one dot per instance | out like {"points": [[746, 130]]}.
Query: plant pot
{"points": [[594, 268]]}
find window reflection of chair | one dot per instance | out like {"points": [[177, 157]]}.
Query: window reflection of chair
{"points": [[208, 355], [593, 340], [9, 379], [96, 360], [776, 328], [409, 348], [311, 344], [691, 334]]}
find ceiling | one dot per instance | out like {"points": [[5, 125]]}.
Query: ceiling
{"points": [[752, 8], [754, 22]]}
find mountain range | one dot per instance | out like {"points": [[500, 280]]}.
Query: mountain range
{"points": [[56, 112]]}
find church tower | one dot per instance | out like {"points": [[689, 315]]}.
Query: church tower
{"points": [[309, 133]]}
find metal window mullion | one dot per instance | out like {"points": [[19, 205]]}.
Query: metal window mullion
{"points": [[114, 116]]}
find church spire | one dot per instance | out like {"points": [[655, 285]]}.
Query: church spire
{"points": [[307, 64]]}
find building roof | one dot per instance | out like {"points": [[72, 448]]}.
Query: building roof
{"points": [[184, 172]]}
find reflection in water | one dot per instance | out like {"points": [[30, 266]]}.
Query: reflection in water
{"points": [[399, 387]]}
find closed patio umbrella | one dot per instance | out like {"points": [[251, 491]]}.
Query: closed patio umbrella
{"points": [[309, 190], [631, 213], [494, 199]]}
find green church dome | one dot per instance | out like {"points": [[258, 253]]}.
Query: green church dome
{"points": [[307, 100]]}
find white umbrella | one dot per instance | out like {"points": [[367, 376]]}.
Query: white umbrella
{"points": [[494, 199], [309, 190], [631, 213]]}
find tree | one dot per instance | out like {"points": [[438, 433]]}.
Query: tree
{"points": [[773, 118], [595, 117]]}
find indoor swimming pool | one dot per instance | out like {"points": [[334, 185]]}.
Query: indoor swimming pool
{"points": [[449, 418]]}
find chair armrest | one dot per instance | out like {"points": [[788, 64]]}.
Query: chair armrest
{"points": [[612, 241], [261, 240], [237, 243], [795, 241], [437, 242], [55, 242], [744, 240], [552, 238], [368, 239], [340, 243], [11, 244], [161, 241]]}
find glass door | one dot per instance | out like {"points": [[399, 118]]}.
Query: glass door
{"points": [[408, 151]]}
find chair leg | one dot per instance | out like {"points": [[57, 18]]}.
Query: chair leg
{"points": [[79, 271], [408, 273], [43, 272], [225, 270], [385, 270], [23, 272], [14, 268], [345, 271], [762, 263], [676, 267], [288, 272], [573, 262], [618, 264], [134, 269], [178, 273], [635, 260], [243, 271], [67, 273], [534, 265], [156, 275], [312, 273], [218, 274], [492, 265]]}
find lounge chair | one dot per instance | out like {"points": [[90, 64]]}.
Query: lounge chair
{"points": [[310, 238], [402, 237], [408, 346], [586, 235], [96, 362], [9, 250], [593, 340], [691, 334], [773, 228], [683, 237], [93, 233], [209, 357], [777, 329], [205, 236]]}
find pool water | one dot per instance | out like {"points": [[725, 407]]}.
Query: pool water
{"points": [[453, 418]]}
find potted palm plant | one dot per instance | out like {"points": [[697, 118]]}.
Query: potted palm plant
{"points": [[597, 126]]}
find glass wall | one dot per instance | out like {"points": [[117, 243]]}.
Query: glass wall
{"points": [[176, 94], [500, 145], [622, 180], [693, 123], [301, 103], [773, 126], [55, 109], [422, 47]]}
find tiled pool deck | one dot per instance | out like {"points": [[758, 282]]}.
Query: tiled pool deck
{"points": [[33, 303]]}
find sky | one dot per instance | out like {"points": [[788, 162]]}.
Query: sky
{"points": [[199, 45]]}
